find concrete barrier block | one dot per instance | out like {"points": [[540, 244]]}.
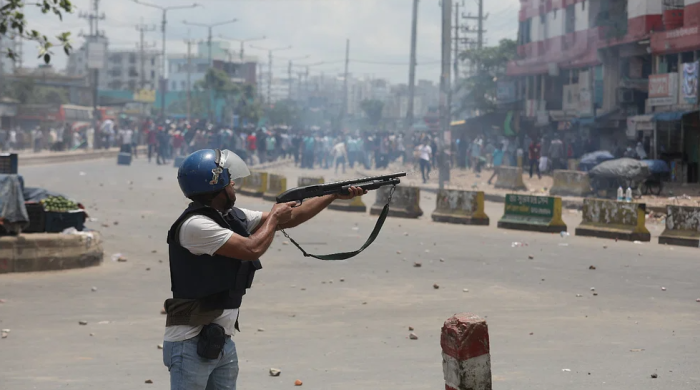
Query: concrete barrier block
{"points": [[304, 181], [510, 178], [254, 185], [50, 251], [404, 204], [466, 353], [682, 226], [355, 205], [570, 183], [533, 213], [277, 184], [460, 207], [605, 218]]}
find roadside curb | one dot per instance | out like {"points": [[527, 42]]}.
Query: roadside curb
{"points": [[30, 160], [37, 252]]}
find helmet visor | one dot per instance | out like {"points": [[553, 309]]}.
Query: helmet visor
{"points": [[237, 168]]}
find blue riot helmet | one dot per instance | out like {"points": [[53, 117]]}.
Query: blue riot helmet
{"points": [[209, 171]]}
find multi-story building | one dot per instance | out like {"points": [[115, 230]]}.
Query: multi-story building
{"points": [[610, 74], [77, 65], [132, 70]]}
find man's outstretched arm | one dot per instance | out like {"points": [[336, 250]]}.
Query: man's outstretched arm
{"points": [[311, 207]]}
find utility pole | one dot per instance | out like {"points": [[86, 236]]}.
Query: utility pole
{"points": [[2, 62], [412, 68], [344, 110], [269, 68], [189, 43], [289, 76], [164, 23], [93, 18], [445, 93], [142, 46], [479, 31], [210, 27], [456, 40], [242, 42]]}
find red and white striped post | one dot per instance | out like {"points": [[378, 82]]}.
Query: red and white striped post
{"points": [[466, 359]]}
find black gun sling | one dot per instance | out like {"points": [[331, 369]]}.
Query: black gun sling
{"points": [[348, 255]]}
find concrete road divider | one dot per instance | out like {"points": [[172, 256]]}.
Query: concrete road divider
{"points": [[254, 185], [466, 353], [682, 226], [277, 184], [605, 218], [79, 155], [304, 181], [510, 178], [355, 205], [49, 251], [404, 204], [461, 207], [570, 183], [533, 213]]}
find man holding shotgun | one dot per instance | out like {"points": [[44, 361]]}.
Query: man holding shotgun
{"points": [[214, 251]]}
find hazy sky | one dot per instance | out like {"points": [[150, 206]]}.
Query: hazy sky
{"points": [[379, 30]]}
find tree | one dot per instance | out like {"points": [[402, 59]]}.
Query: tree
{"points": [[26, 91], [373, 110], [14, 22], [491, 63], [249, 108]]}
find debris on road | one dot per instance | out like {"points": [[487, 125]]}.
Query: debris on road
{"points": [[298, 382], [592, 288], [442, 260], [592, 267], [93, 289], [595, 294], [465, 290], [410, 328], [579, 295], [398, 252], [148, 381], [566, 370], [82, 322], [435, 286], [285, 243], [636, 350], [654, 376], [663, 288], [2, 301], [4, 333], [417, 264], [413, 336], [531, 257], [261, 329], [159, 346], [275, 372], [342, 279]]}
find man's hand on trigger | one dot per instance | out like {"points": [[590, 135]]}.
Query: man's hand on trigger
{"points": [[283, 212], [353, 192]]}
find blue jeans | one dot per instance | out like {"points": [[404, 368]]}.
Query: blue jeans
{"points": [[189, 371]]}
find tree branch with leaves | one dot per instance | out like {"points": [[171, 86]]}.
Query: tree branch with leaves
{"points": [[13, 22]]}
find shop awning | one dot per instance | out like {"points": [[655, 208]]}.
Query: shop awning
{"points": [[670, 116]]}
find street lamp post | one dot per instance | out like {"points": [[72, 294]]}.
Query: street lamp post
{"points": [[163, 29], [210, 27], [269, 65], [242, 42]]}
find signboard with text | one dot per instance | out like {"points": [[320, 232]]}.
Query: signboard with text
{"points": [[505, 92], [663, 89], [530, 206]]}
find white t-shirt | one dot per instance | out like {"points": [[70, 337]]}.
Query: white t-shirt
{"points": [[202, 236], [126, 136], [425, 152]]}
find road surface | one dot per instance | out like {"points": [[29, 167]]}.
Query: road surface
{"points": [[299, 317]]}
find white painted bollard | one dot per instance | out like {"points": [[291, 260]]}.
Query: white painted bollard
{"points": [[466, 358]]}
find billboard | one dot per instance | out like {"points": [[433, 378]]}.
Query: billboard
{"points": [[690, 83], [663, 89]]}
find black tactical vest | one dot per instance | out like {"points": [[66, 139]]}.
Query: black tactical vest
{"points": [[218, 282]]}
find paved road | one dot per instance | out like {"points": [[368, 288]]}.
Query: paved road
{"points": [[354, 334]]}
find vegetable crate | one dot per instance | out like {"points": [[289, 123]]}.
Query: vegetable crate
{"points": [[57, 222], [37, 218], [8, 163]]}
